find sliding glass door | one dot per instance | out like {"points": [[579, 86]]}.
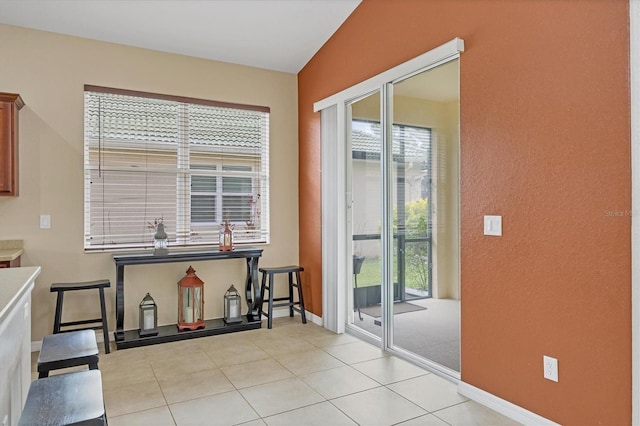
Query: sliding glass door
{"points": [[402, 208], [390, 208]]}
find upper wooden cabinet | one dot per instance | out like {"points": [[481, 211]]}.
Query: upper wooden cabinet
{"points": [[10, 104]]}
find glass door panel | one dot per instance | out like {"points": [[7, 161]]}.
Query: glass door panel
{"points": [[366, 214], [424, 196]]}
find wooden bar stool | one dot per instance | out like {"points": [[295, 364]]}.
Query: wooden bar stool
{"points": [[64, 399], [60, 288], [293, 306], [69, 349]]}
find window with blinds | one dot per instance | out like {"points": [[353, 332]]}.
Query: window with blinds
{"points": [[191, 163]]}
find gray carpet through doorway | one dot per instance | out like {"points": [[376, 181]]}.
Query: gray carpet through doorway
{"points": [[398, 308]]}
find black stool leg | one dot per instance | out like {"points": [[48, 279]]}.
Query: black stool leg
{"points": [[105, 326], [290, 274], [58, 319], [269, 322], [262, 289], [300, 298]]}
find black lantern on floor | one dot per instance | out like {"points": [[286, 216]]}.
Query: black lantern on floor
{"points": [[232, 306], [148, 317]]}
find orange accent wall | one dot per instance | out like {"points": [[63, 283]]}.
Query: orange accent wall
{"points": [[545, 142]]}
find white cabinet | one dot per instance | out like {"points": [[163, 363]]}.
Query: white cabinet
{"points": [[16, 285]]}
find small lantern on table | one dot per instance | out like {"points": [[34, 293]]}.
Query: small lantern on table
{"points": [[160, 240], [232, 306], [190, 302], [226, 236], [148, 317]]}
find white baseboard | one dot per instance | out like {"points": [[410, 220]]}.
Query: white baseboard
{"points": [[281, 313], [502, 406]]}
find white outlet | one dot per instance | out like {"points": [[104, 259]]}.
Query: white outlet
{"points": [[550, 368]]}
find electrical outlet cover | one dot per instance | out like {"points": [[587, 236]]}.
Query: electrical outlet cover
{"points": [[550, 366]]}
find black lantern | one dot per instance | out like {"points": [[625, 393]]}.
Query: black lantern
{"points": [[148, 317], [232, 306], [160, 240]]}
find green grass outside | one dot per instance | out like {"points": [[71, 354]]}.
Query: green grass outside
{"points": [[371, 271]]}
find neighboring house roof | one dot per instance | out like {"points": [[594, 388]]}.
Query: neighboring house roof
{"points": [[417, 142], [114, 117]]}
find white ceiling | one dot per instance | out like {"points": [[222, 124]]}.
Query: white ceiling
{"points": [[279, 35]]}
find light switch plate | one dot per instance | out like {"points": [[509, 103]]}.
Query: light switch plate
{"points": [[45, 221], [493, 225]]}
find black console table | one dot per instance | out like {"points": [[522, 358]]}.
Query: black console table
{"points": [[169, 333]]}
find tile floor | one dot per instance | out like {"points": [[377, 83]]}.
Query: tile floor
{"points": [[293, 374]]}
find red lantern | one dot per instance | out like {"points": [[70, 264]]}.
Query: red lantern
{"points": [[190, 302], [226, 237]]}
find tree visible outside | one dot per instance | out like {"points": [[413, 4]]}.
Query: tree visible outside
{"points": [[416, 253]]}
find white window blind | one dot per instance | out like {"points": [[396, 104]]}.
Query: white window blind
{"points": [[191, 163]]}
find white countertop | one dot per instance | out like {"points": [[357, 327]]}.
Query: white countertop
{"points": [[14, 283]]}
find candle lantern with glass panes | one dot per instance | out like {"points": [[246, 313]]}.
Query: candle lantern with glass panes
{"points": [[148, 317], [190, 302], [160, 240], [232, 306], [226, 236]]}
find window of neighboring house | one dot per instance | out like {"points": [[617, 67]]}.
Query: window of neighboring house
{"points": [[217, 186], [188, 162]]}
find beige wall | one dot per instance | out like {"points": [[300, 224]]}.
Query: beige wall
{"points": [[49, 72]]}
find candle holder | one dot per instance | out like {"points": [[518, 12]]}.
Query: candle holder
{"points": [[226, 236], [190, 302], [160, 240], [148, 317], [232, 306]]}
